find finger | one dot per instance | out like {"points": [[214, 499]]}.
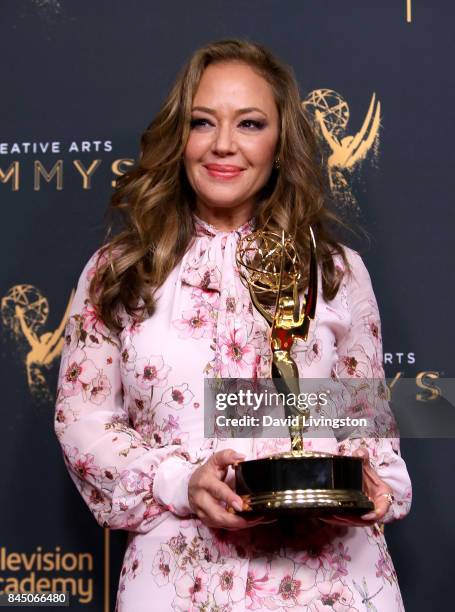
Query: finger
{"points": [[265, 519], [213, 514], [223, 492], [372, 480], [370, 517], [381, 508], [370, 476], [221, 519], [223, 459], [375, 488]]}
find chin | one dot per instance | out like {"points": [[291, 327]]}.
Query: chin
{"points": [[221, 204]]}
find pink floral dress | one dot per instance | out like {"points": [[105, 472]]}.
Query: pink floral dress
{"points": [[129, 417]]}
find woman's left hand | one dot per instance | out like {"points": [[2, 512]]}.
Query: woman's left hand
{"points": [[375, 488]]}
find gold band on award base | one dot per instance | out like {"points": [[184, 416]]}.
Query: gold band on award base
{"points": [[316, 500]]}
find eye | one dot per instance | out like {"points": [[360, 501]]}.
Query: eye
{"points": [[199, 122], [252, 124]]}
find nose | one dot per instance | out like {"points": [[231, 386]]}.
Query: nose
{"points": [[224, 142]]}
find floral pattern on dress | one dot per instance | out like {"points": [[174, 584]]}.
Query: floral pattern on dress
{"points": [[130, 419]]}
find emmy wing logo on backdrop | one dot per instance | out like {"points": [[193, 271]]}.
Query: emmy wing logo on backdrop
{"points": [[24, 312], [330, 114]]}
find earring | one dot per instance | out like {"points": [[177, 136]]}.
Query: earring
{"points": [[277, 163]]}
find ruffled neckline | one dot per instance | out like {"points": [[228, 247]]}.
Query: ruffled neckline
{"points": [[203, 228]]}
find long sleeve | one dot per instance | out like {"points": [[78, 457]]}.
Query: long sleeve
{"points": [[126, 482], [360, 356]]}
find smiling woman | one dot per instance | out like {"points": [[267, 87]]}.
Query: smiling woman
{"points": [[234, 104], [160, 308], [233, 141]]}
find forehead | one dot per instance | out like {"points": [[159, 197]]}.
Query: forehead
{"points": [[233, 84]]}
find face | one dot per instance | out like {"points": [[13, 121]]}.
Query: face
{"points": [[233, 139]]}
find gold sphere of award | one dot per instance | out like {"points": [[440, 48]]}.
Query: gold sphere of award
{"points": [[297, 481]]}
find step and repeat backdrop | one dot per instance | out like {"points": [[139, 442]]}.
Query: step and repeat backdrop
{"points": [[81, 81]]}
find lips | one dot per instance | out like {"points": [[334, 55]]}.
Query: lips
{"points": [[223, 170]]}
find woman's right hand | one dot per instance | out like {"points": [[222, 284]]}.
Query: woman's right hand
{"points": [[209, 495]]}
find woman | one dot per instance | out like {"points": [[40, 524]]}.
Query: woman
{"points": [[161, 307]]}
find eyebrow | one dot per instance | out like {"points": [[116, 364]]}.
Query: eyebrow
{"points": [[240, 111]]}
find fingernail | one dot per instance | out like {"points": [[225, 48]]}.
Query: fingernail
{"points": [[369, 516], [239, 456], [237, 506]]}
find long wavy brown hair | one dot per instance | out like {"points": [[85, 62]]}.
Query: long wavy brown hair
{"points": [[156, 201]]}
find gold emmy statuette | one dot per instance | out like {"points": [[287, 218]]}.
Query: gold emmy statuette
{"points": [[297, 481]]}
